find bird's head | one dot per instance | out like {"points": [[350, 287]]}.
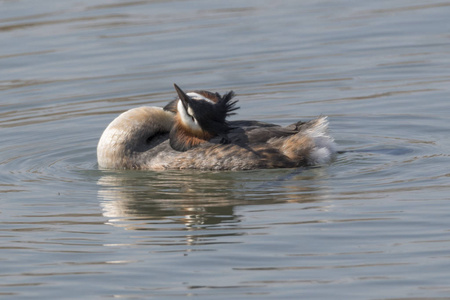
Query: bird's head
{"points": [[200, 115]]}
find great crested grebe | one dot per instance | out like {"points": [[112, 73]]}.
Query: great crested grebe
{"points": [[192, 132]]}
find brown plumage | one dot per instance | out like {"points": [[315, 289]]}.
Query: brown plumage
{"points": [[183, 138], [193, 133]]}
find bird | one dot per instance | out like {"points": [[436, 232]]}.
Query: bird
{"points": [[193, 132]]}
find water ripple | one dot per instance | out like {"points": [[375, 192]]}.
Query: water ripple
{"points": [[372, 224]]}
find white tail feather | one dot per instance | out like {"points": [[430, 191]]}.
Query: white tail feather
{"points": [[324, 146]]}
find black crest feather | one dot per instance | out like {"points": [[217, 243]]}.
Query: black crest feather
{"points": [[210, 115], [229, 106]]}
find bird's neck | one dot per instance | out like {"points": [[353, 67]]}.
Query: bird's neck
{"points": [[183, 139], [129, 133]]}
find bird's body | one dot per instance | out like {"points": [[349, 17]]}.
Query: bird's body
{"points": [[193, 133]]}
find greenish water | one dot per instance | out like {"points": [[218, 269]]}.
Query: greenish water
{"points": [[374, 224]]}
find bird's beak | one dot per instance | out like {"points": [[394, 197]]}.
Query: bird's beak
{"points": [[183, 97]]}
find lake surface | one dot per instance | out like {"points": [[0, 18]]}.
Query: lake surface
{"points": [[373, 224]]}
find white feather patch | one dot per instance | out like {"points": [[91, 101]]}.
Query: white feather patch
{"points": [[196, 96], [324, 146], [186, 118]]}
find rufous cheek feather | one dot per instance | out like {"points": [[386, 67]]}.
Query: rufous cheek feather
{"points": [[183, 138]]}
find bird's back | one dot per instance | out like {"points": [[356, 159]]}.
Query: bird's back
{"points": [[250, 145]]}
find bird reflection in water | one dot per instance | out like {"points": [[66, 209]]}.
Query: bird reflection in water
{"points": [[173, 202]]}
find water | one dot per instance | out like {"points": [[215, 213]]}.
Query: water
{"points": [[374, 224]]}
